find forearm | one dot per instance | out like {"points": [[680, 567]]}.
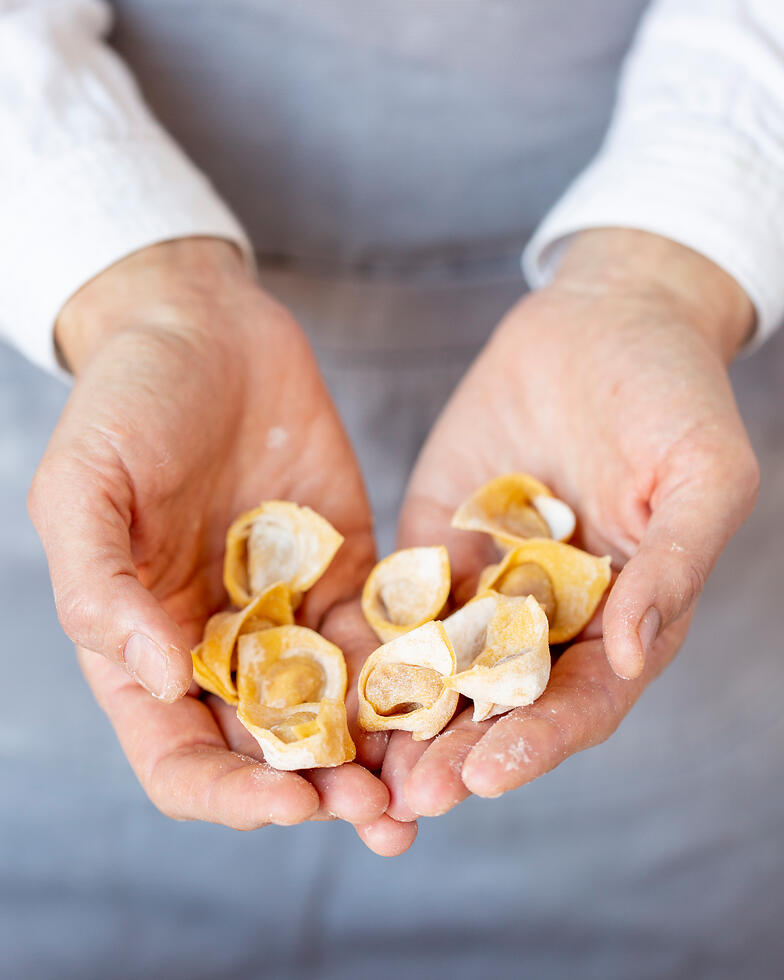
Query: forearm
{"points": [[164, 286], [87, 175], [698, 163], [638, 264]]}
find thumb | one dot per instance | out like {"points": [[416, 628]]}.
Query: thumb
{"points": [[687, 531], [100, 602]]}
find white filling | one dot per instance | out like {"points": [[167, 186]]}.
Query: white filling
{"points": [[273, 555], [558, 516]]}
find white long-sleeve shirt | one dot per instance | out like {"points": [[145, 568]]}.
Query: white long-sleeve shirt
{"points": [[695, 153]]}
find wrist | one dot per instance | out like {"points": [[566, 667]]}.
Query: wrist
{"points": [[639, 263], [164, 285]]}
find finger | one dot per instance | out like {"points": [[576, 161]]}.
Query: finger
{"points": [[424, 777], [594, 628], [350, 793], [436, 784], [100, 602], [183, 763], [402, 755], [583, 705], [345, 626], [386, 837], [693, 518]]}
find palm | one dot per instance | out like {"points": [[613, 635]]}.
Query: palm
{"points": [[626, 425], [266, 438], [176, 480]]}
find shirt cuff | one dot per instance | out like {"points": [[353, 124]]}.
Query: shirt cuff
{"points": [[108, 200], [705, 191]]}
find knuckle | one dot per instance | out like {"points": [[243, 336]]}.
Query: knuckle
{"points": [[748, 477], [165, 806], [692, 574], [83, 619], [38, 492], [162, 793], [739, 472], [72, 611], [245, 825], [608, 710]]}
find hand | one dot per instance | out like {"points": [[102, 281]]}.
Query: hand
{"points": [[610, 386], [196, 396]]}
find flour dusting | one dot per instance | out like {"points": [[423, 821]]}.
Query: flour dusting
{"points": [[516, 754], [277, 437]]}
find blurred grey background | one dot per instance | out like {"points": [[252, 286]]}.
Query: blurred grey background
{"points": [[658, 854]]}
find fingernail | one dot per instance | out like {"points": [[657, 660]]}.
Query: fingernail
{"points": [[147, 664], [648, 630]]}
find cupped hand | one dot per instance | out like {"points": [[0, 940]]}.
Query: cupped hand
{"points": [[196, 396], [610, 385]]}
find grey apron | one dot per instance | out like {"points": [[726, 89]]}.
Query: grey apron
{"points": [[389, 160]]}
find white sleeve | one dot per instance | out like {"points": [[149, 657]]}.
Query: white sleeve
{"points": [[695, 151], [87, 175]]}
